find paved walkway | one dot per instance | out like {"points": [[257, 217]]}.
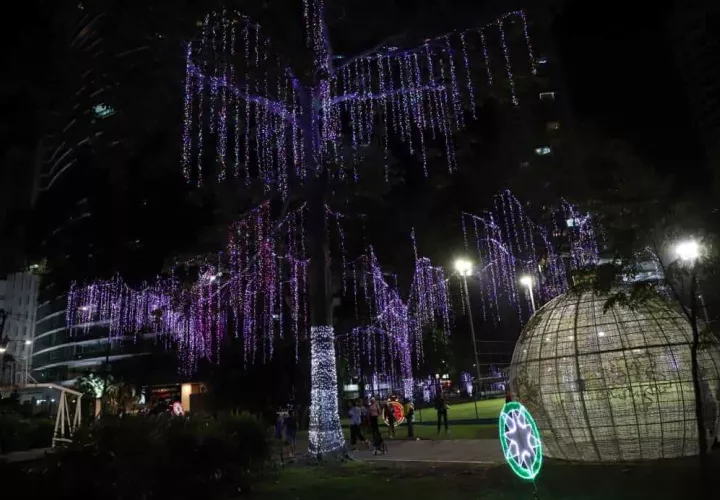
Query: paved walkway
{"points": [[24, 456], [458, 451], [470, 451]]}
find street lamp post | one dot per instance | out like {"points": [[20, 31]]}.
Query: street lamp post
{"points": [[688, 252], [26, 343], [528, 282], [464, 269]]}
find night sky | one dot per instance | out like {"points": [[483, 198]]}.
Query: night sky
{"points": [[617, 58], [623, 78]]}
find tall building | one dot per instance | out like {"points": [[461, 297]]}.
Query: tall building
{"points": [[695, 29], [73, 181], [62, 354], [94, 196], [18, 303]]}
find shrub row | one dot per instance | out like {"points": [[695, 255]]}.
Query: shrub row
{"points": [[155, 457], [19, 434]]}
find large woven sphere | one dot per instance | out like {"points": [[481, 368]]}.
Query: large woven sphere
{"points": [[616, 385]]}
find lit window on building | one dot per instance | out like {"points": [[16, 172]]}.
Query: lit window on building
{"points": [[547, 96], [553, 126], [103, 110], [543, 151]]}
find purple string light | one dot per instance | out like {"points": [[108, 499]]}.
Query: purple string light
{"points": [[509, 245], [246, 286], [394, 333], [411, 97]]}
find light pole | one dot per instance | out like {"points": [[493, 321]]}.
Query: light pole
{"points": [[464, 269], [528, 282], [26, 343], [689, 252]]}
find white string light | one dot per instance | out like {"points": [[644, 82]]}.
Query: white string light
{"points": [[325, 434]]}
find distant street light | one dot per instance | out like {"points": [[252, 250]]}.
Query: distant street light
{"points": [[688, 251], [528, 282], [464, 269], [26, 358]]}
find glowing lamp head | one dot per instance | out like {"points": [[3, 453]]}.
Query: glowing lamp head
{"points": [[687, 251], [463, 267], [526, 280], [3, 349], [28, 342]]}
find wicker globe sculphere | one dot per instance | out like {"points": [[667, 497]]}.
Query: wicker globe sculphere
{"points": [[616, 385]]}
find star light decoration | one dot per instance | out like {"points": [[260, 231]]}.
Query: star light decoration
{"points": [[520, 440], [509, 244]]}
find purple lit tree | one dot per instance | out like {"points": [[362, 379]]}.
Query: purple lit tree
{"points": [[508, 244], [250, 116], [393, 334]]}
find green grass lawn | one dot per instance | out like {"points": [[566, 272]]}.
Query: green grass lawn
{"points": [[465, 411], [430, 432], [488, 408], [557, 481]]}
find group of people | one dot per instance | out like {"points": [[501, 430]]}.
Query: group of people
{"points": [[368, 417], [364, 418]]}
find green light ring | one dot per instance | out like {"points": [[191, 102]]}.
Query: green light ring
{"points": [[524, 472]]}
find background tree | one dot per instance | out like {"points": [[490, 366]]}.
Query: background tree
{"points": [[644, 216]]}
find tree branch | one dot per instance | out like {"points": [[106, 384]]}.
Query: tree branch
{"points": [[373, 97], [275, 107], [370, 52]]}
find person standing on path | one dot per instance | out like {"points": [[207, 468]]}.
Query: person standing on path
{"points": [[409, 411], [441, 408], [373, 414], [389, 415], [291, 431], [355, 421]]}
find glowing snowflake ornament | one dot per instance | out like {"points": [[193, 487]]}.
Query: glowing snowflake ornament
{"points": [[520, 440]]}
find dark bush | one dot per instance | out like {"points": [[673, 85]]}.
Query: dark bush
{"points": [[18, 433], [155, 457]]}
